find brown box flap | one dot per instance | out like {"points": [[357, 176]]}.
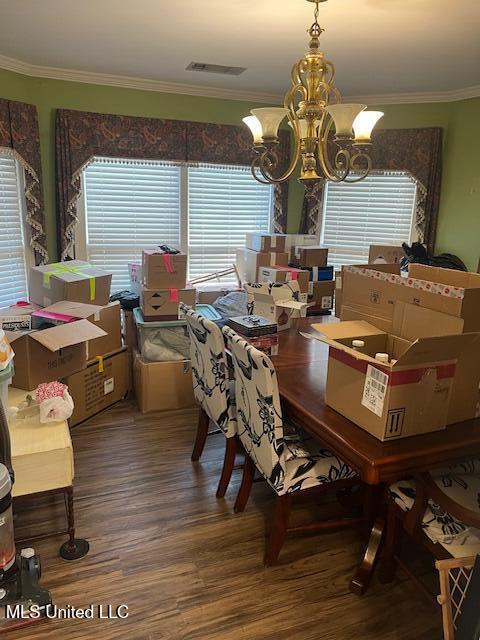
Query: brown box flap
{"points": [[462, 279], [347, 329], [437, 349], [411, 322], [75, 309], [66, 335]]}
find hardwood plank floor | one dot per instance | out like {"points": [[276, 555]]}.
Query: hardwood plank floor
{"points": [[186, 566]]}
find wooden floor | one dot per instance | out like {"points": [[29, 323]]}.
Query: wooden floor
{"points": [[187, 567]]}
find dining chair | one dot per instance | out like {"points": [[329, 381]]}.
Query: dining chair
{"points": [[439, 509], [213, 390], [292, 463]]}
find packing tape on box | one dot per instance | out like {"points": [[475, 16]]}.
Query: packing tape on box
{"points": [[293, 272], [168, 262], [173, 295], [101, 367], [60, 268]]}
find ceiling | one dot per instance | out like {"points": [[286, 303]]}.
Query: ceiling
{"points": [[377, 46]]}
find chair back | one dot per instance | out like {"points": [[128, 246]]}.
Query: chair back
{"points": [[259, 415], [211, 384]]}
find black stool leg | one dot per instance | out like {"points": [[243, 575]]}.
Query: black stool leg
{"points": [[73, 548]]}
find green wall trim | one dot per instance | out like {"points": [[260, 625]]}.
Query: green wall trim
{"points": [[459, 218]]}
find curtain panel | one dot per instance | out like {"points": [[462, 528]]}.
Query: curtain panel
{"points": [[19, 134], [80, 136], [417, 151]]}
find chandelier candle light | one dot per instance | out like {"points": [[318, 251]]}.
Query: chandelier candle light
{"points": [[313, 107]]}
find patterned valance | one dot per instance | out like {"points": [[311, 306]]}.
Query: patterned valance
{"points": [[417, 151], [19, 134], [80, 136]]}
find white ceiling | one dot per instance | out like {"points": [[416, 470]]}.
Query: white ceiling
{"points": [[377, 46]]}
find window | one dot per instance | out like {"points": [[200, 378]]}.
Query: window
{"points": [[224, 203], [13, 257], [376, 210], [206, 210]]}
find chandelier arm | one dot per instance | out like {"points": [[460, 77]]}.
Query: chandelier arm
{"points": [[264, 170], [365, 170], [254, 166], [322, 151]]}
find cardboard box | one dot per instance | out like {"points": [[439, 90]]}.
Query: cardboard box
{"points": [[51, 354], [322, 294], [375, 289], [162, 386], [385, 254], [17, 317], [299, 240], [409, 396], [266, 242], [314, 256], [129, 331], [98, 386], [164, 270], [277, 302], [106, 318], [164, 304], [285, 274], [74, 280], [412, 322], [249, 262], [338, 295]]}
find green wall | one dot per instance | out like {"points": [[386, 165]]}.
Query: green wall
{"points": [[459, 213]]}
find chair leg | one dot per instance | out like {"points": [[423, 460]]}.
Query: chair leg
{"points": [[228, 463], [279, 529], [202, 433], [74, 548], [246, 485], [393, 540]]}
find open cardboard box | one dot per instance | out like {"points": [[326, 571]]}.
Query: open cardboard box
{"points": [[436, 302], [409, 396], [277, 302], [106, 318], [51, 354]]}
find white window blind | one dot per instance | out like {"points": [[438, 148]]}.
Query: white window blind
{"points": [[130, 205], [13, 271], [224, 203], [376, 210]]}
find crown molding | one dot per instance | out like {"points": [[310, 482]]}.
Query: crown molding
{"points": [[144, 84]]}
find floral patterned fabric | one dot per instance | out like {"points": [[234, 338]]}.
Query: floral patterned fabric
{"points": [[80, 136], [287, 459], [417, 151], [459, 482], [210, 371], [19, 134]]}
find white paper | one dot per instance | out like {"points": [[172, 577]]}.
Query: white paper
{"points": [[326, 302], [338, 282], [374, 390], [108, 386]]}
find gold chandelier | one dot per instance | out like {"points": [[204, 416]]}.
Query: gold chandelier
{"points": [[313, 107]]}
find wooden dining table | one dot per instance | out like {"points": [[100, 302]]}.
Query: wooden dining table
{"points": [[301, 366]]}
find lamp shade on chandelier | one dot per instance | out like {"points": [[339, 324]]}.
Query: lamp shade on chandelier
{"points": [[315, 112]]}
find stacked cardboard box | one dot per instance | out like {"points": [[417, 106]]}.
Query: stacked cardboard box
{"points": [[321, 285], [163, 385], [164, 285], [430, 324], [261, 250], [69, 331]]}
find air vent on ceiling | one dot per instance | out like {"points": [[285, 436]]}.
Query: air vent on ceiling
{"points": [[215, 68]]}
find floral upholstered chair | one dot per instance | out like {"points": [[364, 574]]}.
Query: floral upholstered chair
{"points": [[290, 462], [211, 386], [439, 509]]}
